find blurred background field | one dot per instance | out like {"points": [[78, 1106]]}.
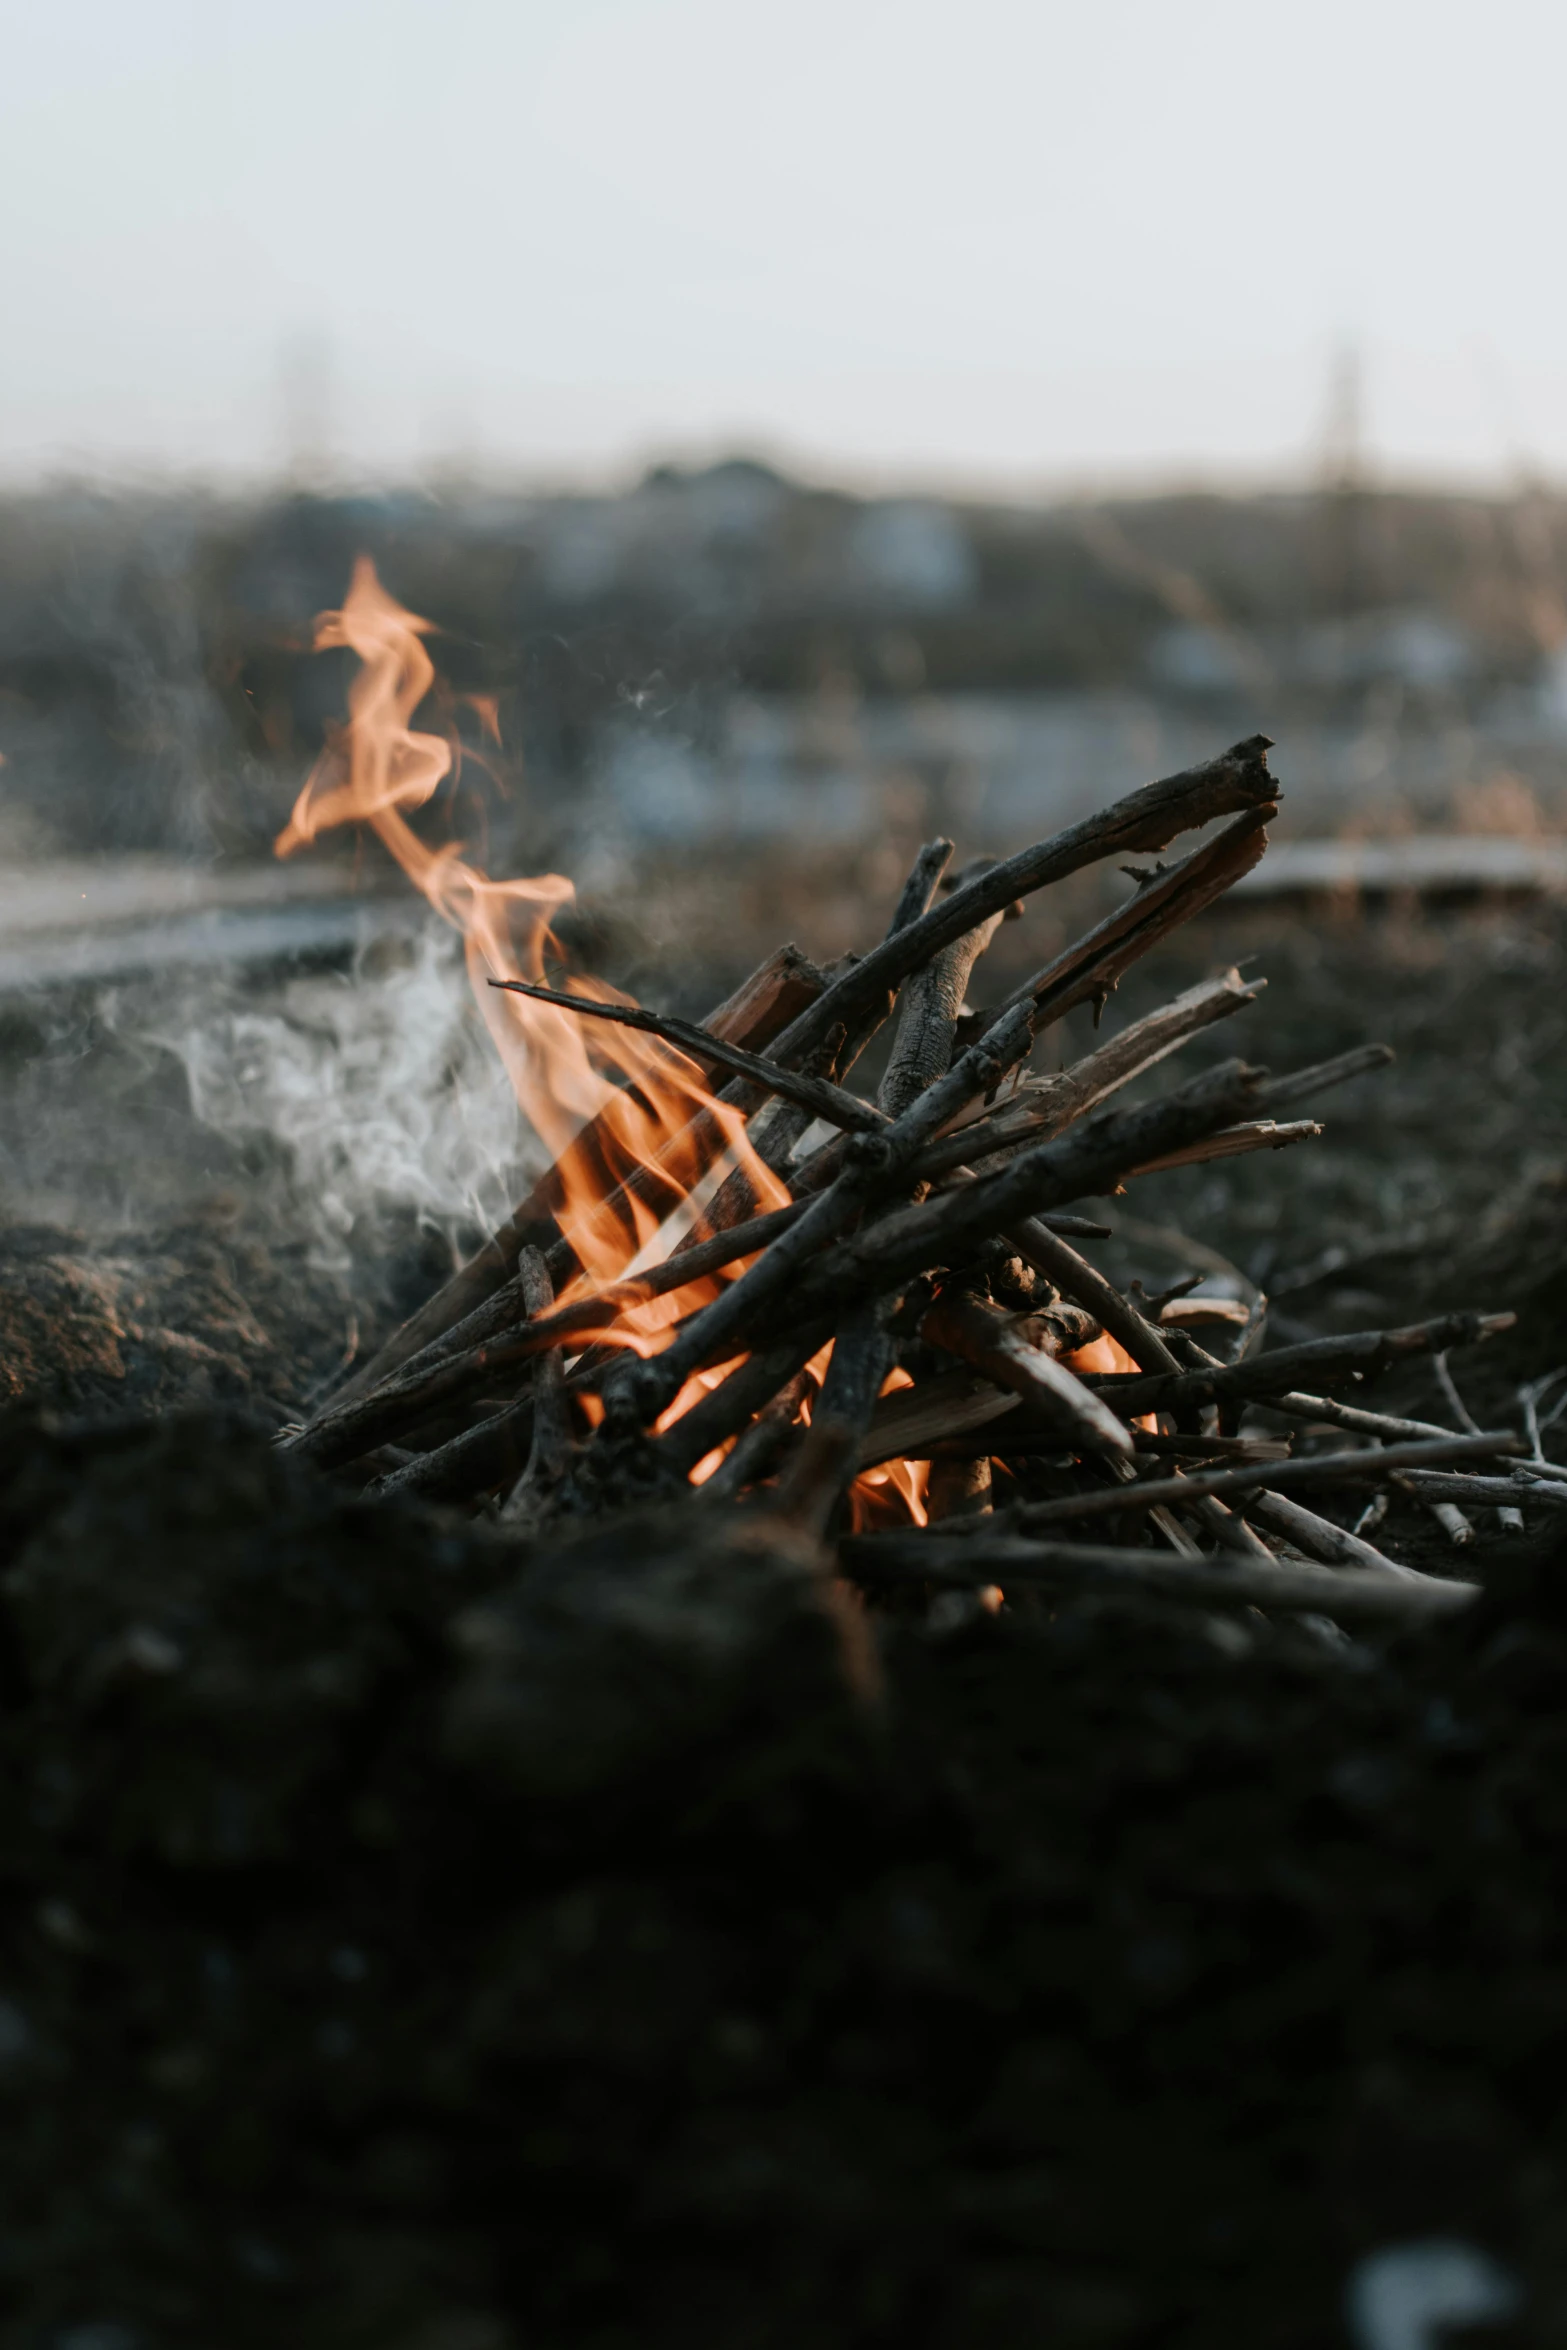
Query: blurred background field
{"points": [[724, 662]]}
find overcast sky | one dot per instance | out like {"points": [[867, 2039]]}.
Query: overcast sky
{"points": [[1005, 241]]}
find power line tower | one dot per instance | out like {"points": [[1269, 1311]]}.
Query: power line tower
{"points": [[1344, 495]]}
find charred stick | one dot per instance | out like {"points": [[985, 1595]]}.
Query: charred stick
{"points": [[552, 1429], [402, 1402], [1146, 819], [1229, 1530], [921, 886], [1049, 1254], [1233, 1142], [1362, 1597], [913, 902], [1091, 968], [1263, 1376], [1432, 1485], [439, 1377], [928, 1018], [951, 1228], [1371, 1462], [1141, 1046], [1028, 1439], [1333, 1414], [758, 1450], [501, 1311], [1304, 1085], [773, 1137], [1211, 1448], [1318, 1537], [1043, 1106], [959, 1488], [913, 1420], [1006, 1349], [814, 1094], [908, 1423], [747, 1390], [1088, 1158], [820, 1473], [482, 1458]]}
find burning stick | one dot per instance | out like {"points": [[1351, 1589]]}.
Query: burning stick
{"points": [[825, 1462], [439, 1377], [875, 1164], [752, 1016]]}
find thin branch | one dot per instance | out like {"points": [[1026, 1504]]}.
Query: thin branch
{"points": [[1305, 1409], [1357, 1597], [1233, 1142], [1144, 820], [552, 1430], [821, 1470], [1260, 1376], [1044, 1106], [1014, 1351], [1371, 1462], [1318, 1537], [816, 1094], [1304, 1085], [765, 1003], [1090, 969], [438, 1377]]}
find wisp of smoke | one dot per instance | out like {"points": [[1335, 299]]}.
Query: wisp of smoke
{"points": [[381, 1084]]}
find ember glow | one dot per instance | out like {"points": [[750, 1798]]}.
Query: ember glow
{"points": [[610, 1104]]}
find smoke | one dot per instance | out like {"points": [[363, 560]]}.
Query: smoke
{"points": [[381, 1086]]}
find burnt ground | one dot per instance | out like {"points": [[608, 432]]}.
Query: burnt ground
{"points": [[410, 1940]]}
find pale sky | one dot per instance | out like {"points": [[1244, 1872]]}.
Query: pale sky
{"points": [[1009, 242]]}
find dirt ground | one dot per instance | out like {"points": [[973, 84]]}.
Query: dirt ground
{"points": [[410, 1940]]}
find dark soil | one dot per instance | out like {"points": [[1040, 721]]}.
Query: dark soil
{"points": [[414, 1941], [410, 1942]]}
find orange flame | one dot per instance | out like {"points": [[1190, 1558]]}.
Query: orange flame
{"points": [[1105, 1354], [606, 1107], [608, 1103], [894, 1492]]}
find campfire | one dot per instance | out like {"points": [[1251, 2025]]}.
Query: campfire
{"points": [[744, 1286]]}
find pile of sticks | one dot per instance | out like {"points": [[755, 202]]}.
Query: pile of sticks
{"points": [[934, 1235]]}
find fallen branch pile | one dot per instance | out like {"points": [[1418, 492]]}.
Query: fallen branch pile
{"points": [[921, 1296]]}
